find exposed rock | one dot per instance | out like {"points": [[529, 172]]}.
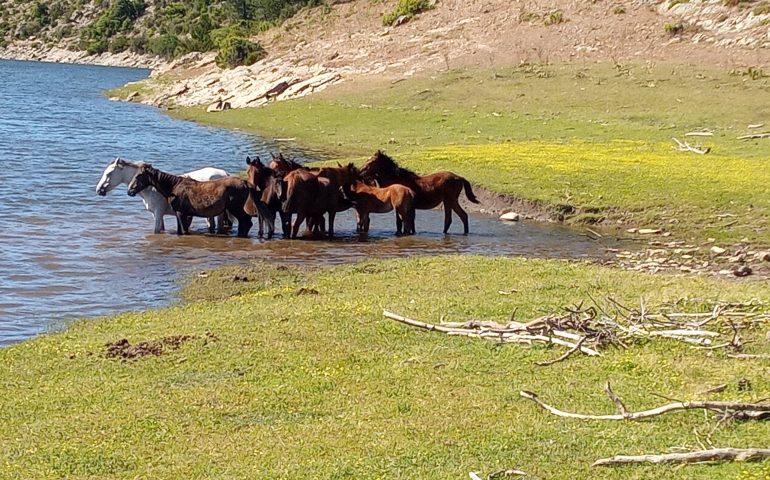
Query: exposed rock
{"points": [[132, 96], [219, 106], [510, 217], [649, 231], [743, 271], [763, 256], [717, 250]]}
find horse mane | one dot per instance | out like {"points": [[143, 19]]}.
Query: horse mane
{"points": [[123, 161], [382, 161]]}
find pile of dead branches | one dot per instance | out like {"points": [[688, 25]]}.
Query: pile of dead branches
{"points": [[590, 329]]}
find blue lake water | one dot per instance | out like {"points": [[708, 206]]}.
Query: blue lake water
{"points": [[66, 253]]}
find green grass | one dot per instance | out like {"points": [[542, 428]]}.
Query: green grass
{"points": [[592, 135], [321, 386]]}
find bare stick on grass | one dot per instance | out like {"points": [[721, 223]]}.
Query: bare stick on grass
{"points": [[701, 456], [747, 410]]}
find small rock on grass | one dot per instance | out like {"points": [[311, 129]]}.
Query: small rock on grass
{"points": [[510, 217], [763, 256], [742, 271], [649, 231], [717, 250]]}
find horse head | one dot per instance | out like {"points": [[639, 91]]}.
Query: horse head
{"points": [[141, 180], [111, 177]]}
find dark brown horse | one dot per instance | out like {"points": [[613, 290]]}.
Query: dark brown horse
{"points": [[189, 197], [430, 190], [368, 199], [310, 194], [268, 182]]}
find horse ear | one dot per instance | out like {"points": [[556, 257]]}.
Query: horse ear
{"points": [[272, 155], [248, 160], [339, 164]]}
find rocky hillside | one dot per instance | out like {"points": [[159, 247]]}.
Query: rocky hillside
{"points": [[287, 50], [349, 41], [140, 28]]}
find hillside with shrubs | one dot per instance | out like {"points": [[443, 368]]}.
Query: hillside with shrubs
{"points": [[168, 29]]}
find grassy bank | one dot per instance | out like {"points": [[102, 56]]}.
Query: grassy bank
{"points": [[593, 137], [297, 375]]}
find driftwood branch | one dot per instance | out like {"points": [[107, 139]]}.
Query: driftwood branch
{"points": [[754, 135], [563, 356], [710, 455], [518, 333], [749, 356], [686, 147], [747, 410]]}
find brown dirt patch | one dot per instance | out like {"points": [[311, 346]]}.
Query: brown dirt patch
{"points": [[123, 349]]}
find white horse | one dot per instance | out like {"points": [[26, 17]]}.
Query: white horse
{"points": [[121, 171]]}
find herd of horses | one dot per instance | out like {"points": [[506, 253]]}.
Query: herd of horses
{"points": [[284, 188]]}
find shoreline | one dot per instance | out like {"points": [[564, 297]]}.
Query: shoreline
{"points": [[30, 53]]}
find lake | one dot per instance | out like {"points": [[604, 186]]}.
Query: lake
{"points": [[68, 253]]}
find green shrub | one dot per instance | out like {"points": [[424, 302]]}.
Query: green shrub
{"points": [[555, 17], [674, 28], [406, 8], [119, 43], [165, 46], [761, 9], [41, 14], [619, 10], [234, 51], [138, 44], [96, 46]]}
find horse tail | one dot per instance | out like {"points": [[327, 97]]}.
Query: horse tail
{"points": [[469, 191], [287, 196], [250, 207]]}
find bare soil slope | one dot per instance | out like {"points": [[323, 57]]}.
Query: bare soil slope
{"points": [[347, 41]]}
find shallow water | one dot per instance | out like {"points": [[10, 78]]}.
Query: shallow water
{"points": [[67, 253]]}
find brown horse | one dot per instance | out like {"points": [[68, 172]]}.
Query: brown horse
{"points": [[189, 197], [268, 182], [368, 199], [283, 165], [430, 190], [310, 194]]}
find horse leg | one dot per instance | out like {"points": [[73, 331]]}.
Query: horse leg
{"points": [[297, 224], [359, 224], [447, 217], [212, 224], [463, 216], [285, 224], [244, 223], [181, 229], [332, 213], [158, 221], [187, 222], [270, 219], [410, 213], [399, 222]]}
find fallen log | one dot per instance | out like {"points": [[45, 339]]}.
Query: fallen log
{"points": [[701, 456], [747, 410], [749, 356], [754, 135]]}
